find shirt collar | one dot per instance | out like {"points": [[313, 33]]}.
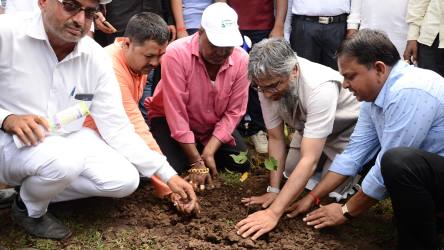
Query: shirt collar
{"points": [[195, 51], [395, 74], [118, 47], [37, 30]]}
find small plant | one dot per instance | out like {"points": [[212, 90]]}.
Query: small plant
{"points": [[230, 178], [270, 163], [228, 221]]}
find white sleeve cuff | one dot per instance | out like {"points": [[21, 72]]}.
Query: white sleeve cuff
{"points": [[166, 172]]}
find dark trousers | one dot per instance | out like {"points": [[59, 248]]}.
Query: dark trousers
{"points": [[431, 57], [177, 157], [317, 42], [415, 181], [254, 109]]}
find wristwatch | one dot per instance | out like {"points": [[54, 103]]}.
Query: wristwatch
{"points": [[273, 190], [345, 212]]}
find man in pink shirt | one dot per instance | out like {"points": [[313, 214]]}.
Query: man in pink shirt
{"points": [[201, 98]]}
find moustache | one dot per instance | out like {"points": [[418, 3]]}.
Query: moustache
{"points": [[75, 25]]}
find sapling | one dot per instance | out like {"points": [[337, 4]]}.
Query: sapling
{"points": [[271, 164]]}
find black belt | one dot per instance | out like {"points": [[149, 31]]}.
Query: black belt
{"points": [[324, 19]]}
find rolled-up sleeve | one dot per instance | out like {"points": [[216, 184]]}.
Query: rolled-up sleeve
{"points": [[354, 19], [405, 126], [363, 146], [175, 99], [237, 105]]}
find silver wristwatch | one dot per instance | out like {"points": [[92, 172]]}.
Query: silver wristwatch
{"points": [[272, 189]]}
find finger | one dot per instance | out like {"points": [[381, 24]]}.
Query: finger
{"points": [[45, 124], [316, 222], [319, 210], [259, 233], [324, 224], [30, 135], [293, 212], [251, 230], [187, 178], [193, 201], [198, 208], [313, 217], [209, 181], [415, 55], [242, 222], [37, 131], [244, 228], [267, 202], [22, 137]]}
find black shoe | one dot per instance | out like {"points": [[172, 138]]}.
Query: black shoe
{"points": [[47, 226]]}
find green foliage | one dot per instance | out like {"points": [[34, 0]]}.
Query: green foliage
{"points": [[231, 179], [271, 163], [241, 158]]}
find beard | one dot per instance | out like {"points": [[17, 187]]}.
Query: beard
{"points": [[285, 106], [53, 24]]}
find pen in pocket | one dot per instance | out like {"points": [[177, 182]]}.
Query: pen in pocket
{"points": [[72, 92]]}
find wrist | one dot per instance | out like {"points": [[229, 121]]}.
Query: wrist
{"points": [[182, 28], [2, 128]]}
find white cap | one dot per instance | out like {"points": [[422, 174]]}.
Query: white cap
{"points": [[104, 1], [220, 23]]}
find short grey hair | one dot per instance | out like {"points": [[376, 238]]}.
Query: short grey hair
{"points": [[272, 55]]}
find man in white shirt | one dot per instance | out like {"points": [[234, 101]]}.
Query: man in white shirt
{"points": [[388, 16], [425, 45], [50, 48], [318, 27], [307, 96]]}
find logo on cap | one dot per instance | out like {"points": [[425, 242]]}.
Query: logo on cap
{"points": [[227, 23]]}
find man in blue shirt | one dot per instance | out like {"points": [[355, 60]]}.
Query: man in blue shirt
{"points": [[403, 107]]}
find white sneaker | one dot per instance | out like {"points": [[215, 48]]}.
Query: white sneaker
{"points": [[260, 142]]}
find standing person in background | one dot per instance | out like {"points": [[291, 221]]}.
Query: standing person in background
{"points": [[188, 14], [318, 28], [257, 21], [119, 12], [388, 16], [425, 45]]}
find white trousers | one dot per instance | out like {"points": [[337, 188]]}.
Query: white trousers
{"points": [[62, 168]]}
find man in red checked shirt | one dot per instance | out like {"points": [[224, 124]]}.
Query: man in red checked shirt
{"points": [[201, 98]]}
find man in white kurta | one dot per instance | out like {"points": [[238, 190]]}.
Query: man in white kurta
{"points": [[45, 60]]}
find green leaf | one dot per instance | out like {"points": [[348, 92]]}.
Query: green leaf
{"points": [[241, 158], [271, 163], [228, 171], [259, 162]]}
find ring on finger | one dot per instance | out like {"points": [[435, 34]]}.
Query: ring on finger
{"points": [[195, 185], [202, 187], [175, 204], [191, 182], [37, 118]]}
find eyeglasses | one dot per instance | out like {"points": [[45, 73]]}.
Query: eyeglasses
{"points": [[269, 90], [73, 9]]}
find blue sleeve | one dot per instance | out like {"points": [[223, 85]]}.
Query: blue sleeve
{"points": [[363, 145], [408, 116]]}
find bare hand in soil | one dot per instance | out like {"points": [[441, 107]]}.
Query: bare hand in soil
{"points": [[262, 222], [301, 206], [185, 190], [199, 180], [326, 216], [175, 199], [265, 200]]}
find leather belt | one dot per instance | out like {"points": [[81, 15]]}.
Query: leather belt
{"points": [[324, 19]]}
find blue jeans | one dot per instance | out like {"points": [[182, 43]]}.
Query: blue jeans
{"points": [[254, 109], [146, 93], [191, 31]]}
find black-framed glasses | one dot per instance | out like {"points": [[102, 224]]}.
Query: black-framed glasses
{"points": [[269, 90], [73, 9]]}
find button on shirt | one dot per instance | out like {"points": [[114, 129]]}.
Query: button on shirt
{"points": [[408, 112], [33, 81], [320, 7], [185, 96]]}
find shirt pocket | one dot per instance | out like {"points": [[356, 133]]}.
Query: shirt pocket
{"points": [[221, 104]]}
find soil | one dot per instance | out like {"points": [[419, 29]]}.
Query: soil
{"points": [[144, 219]]}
